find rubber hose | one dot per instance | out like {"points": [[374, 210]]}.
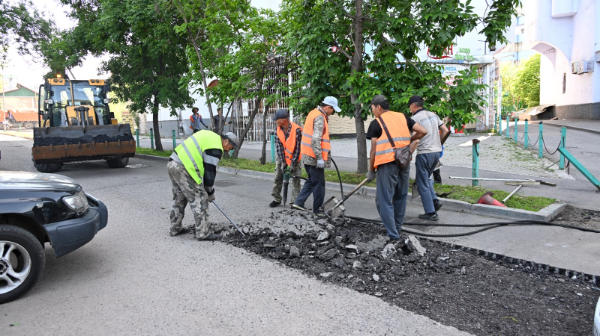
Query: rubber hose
{"points": [[339, 178], [486, 227]]}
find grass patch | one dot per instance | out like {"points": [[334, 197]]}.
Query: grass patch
{"points": [[462, 193], [330, 175], [148, 151], [472, 194]]}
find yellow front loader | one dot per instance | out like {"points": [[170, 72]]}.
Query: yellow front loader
{"points": [[75, 124]]}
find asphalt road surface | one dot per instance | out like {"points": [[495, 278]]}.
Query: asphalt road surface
{"points": [[134, 279]]}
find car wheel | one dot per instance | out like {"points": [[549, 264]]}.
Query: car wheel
{"points": [[22, 261], [118, 162], [28, 125], [48, 167]]}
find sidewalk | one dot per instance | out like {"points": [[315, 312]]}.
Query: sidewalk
{"points": [[23, 134]]}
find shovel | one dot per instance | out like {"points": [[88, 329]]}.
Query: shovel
{"points": [[334, 208], [286, 183]]}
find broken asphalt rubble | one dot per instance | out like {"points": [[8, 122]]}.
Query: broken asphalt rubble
{"points": [[451, 286]]}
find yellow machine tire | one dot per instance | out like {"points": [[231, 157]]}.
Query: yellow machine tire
{"points": [[48, 167], [118, 162]]}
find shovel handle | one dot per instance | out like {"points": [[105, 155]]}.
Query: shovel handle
{"points": [[351, 193]]}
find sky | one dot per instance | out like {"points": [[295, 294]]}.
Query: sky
{"points": [[28, 71]]}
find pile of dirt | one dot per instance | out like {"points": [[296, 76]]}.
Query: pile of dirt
{"points": [[579, 217], [431, 278]]}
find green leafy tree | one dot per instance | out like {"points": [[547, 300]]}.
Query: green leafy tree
{"points": [[527, 84], [509, 72], [239, 45], [147, 57], [376, 45], [21, 24]]}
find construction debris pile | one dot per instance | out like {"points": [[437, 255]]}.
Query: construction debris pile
{"points": [[451, 286]]}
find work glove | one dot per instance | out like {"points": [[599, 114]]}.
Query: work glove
{"points": [[371, 176], [211, 193], [320, 164]]}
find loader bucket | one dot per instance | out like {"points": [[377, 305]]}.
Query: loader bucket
{"points": [[81, 143]]}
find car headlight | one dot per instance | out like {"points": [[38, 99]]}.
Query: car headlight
{"points": [[78, 202]]}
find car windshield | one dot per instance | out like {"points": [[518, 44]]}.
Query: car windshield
{"points": [[86, 94]]}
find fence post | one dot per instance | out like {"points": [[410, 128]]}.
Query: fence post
{"points": [[272, 148], [500, 125], [507, 124], [137, 135], [563, 140], [174, 141], [151, 138], [516, 133], [526, 134], [475, 169], [541, 141], [496, 124]]}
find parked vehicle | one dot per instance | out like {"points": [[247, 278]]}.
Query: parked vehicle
{"points": [[36, 209], [597, 320]]}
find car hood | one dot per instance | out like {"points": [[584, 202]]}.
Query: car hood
{"points": [[27, 180]]}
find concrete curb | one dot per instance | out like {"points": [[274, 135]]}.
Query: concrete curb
{"points": [[573, 127], [151, 157], [546, 214]]}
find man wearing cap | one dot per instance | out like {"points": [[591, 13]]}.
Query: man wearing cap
{"points": [[192, 169], [316, 154], [392, 182], [196, 120], [428, 155], [288, 144]]}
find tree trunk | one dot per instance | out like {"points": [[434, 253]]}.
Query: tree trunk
{"points": [[361, 140], [263, 154], [247, 127], [157, 141]]}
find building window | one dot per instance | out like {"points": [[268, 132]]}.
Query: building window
{"points": [[564, 82]]}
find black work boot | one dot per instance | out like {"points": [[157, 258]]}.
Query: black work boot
{"points": [[432, 216], [437, 205], [274, 204]]}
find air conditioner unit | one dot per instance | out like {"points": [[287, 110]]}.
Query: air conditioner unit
{"points": [[589, 66], [598, 56], [574, 67]]}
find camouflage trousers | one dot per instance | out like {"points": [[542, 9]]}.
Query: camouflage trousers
{"points": [[278, 182], [187, 191]]}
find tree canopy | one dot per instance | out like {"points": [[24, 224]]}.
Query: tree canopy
{"points": [[21, 24], [521, 83], [355, 49]]}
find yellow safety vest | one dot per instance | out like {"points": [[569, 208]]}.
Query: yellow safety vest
{"points": [[191, 152]]}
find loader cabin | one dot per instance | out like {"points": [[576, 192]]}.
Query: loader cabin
{"points": [[65, 102]]}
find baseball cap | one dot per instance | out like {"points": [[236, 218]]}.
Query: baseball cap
{"points": [[233, 139], [281, 114], [415, 99], [333, 102], [379, 100]]}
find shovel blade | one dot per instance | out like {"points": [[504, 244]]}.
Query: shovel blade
{"points": [[328, 208]]}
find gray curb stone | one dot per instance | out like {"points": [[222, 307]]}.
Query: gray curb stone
{"points": [[546, 214]]}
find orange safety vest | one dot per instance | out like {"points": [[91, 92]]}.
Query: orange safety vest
{"points": [[396, 125], [290, 144], [307, 134]]}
